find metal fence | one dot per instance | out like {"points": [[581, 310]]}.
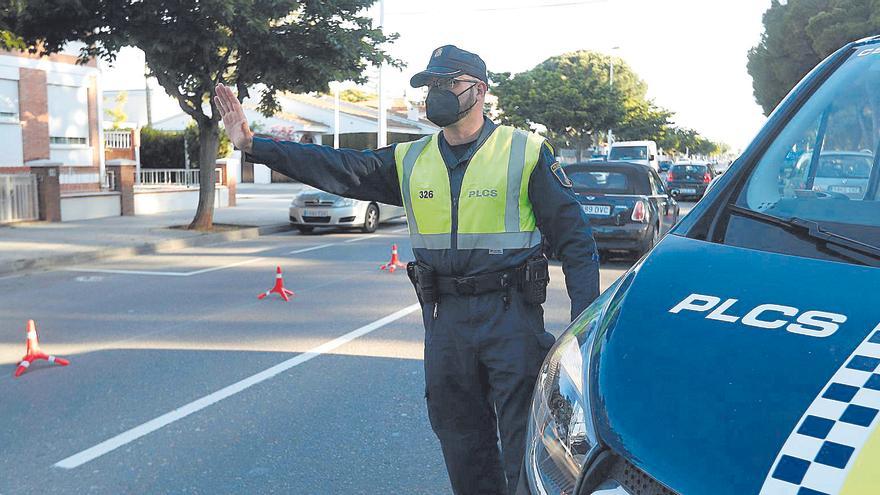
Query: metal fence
{"points": [[174, 177], [18, 198]]}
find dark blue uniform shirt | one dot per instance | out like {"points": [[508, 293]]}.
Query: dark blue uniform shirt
{"points": [[371, 175]]}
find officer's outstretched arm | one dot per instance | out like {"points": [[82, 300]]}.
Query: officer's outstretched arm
{"points": [[368, 175], [562, 220]]}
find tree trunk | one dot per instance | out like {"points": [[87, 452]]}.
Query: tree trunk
{"points": [[209, 137]]}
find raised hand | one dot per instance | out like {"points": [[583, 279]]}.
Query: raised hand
{"points": [[234, 119]]}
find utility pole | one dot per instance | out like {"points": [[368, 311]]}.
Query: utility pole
{"points": [[382, 138], [147, 94], [336, 115], [611, 85]]}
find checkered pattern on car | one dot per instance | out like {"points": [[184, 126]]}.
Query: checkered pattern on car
{"points": [[819, 452]]}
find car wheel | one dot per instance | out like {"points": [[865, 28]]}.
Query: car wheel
{"points": [[371, 219], [305, 229]]}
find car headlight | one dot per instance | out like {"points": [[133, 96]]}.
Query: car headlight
{"points": [[561, 427], [344, 202], [298, 202]]}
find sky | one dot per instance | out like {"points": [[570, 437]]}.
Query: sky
{"points": [[691, 53]]}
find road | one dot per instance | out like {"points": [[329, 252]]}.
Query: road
{"points": [[182, 381]]}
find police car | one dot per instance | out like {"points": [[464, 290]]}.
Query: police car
{"points": [[757, 371]]}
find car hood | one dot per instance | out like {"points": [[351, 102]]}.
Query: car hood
{"points": [[705, 406]]}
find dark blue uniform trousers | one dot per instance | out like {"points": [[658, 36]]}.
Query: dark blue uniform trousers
{"points": [[481, 363]]}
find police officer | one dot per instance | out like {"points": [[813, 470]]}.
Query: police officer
{"points": [[478, 197]]}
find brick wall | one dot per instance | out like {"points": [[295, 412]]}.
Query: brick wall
{"points": [[34, 114]]}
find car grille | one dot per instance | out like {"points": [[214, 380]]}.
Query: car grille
{"points": [[636, 481], [316, 219], [318, 202]]}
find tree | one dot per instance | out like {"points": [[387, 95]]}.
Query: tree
{"points": [[798, 35], [572, 96], [569, 94], [190, 47]]}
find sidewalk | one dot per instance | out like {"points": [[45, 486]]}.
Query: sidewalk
{"points": [[43, 245]]}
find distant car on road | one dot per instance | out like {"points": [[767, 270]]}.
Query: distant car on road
{"points": [[628, 206], [315, 208], [643, 152], [838, 172], [689, 180]]}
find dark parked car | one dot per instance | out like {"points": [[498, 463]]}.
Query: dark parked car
{"points": [[689, 180], [628, 206], [742, 355]]}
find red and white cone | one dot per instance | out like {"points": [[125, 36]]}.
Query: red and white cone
{"points": [[395, 262], [34, 352], [279, 288]]}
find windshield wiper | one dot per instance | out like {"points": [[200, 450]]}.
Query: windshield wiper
{"points": [[814, 231]]}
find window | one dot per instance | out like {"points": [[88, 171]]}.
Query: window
{"points": [[68, 115], [820, 175], [10, 126], [628, 153], [8, 100]]}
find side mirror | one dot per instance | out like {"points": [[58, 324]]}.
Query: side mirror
{"points": [[651, 158]]}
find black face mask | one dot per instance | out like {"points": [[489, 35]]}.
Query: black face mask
{"points": [[443, 106]]}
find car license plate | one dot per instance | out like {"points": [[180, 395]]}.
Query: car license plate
{"points": [[687, 190], [316, 213], [597, 209], [846, 189]]}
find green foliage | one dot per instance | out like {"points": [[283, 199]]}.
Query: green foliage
{"points": [[161, 149], [798, 35], [193, 148], [572, 97], [569, 94], [353, 95], [117, 114]]}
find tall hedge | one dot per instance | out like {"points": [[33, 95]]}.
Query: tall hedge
{"points": [[162, 149]]}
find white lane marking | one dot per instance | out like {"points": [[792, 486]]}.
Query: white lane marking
{"points": [[313, 248], [405, 229], [125, 272], [363, 238], [231, 265], [133, 434]]}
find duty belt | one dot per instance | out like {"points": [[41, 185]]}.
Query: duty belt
{"points": [[530, 278], [480, 284]]}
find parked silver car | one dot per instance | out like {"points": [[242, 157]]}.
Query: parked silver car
{"points": [[315, 208]]}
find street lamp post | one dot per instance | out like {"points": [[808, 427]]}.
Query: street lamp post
{"points": [[611, 85]]}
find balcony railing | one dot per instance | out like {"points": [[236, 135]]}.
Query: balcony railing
{"points": [[117, 139], [174, 177]]}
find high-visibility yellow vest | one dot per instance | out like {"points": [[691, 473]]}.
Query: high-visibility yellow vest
{"points": [[494, 210]]}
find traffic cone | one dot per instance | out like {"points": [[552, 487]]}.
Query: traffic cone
{"points": [[34, 353], [395, 262], [279, 288]]}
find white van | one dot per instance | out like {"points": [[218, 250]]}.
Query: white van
{"points": [[643, 152]]}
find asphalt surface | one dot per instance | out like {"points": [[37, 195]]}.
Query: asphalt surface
{"points": [[202, 388]]}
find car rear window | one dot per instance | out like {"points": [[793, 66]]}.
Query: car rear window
{"points": [[689, 169], [844, 167], [601, 182]]}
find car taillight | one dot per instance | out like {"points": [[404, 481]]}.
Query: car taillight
{"points": [[707, 178], [639, 212], [669, 176]]}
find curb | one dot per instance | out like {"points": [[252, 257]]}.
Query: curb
{"points": [[49, 262]]}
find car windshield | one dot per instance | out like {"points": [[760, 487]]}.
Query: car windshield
{"points": [[601, 182], [822, 166], [629, 153]]}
